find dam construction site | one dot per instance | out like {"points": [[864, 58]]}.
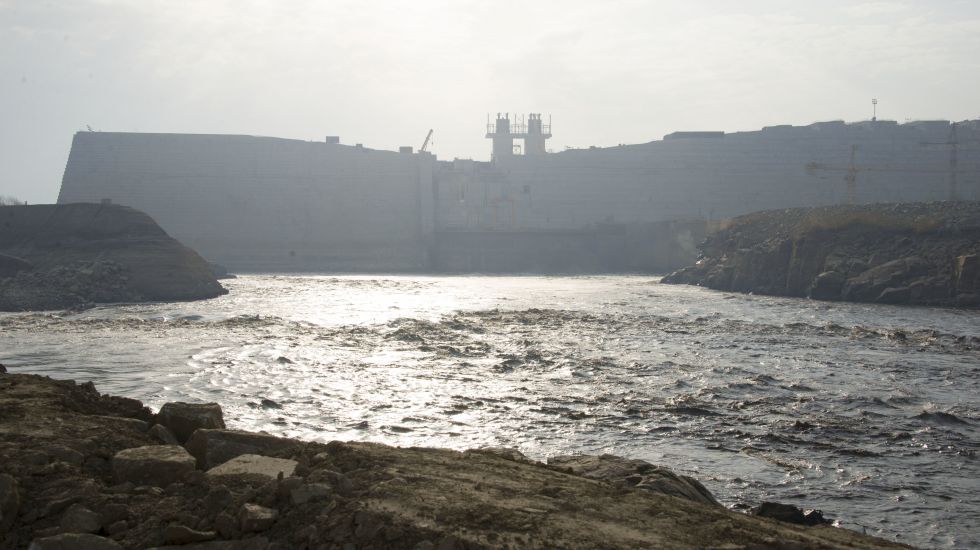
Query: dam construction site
{"points": [[265, 204]]}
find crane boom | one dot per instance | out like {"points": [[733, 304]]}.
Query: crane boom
{"points": [[426, 142], [852, 170]]}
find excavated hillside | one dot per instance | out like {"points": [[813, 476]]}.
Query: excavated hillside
{"points": [[912, 253], [67, 255]]}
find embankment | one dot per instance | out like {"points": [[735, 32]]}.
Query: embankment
{"points": [[84, 470], [916, 253], [59, 256]]}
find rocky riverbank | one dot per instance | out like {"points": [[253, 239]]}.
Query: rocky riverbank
{"points": [[84, 470], [66, 256], [917, 253]]}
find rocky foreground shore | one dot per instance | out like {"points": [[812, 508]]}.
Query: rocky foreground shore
{"points": [[71, 255], [914, 253], [80, 470]]}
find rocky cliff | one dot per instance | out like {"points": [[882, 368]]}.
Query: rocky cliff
{"points": [[58, 256], [915, 253]]}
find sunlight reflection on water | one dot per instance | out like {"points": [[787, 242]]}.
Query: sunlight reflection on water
{"points": [[820, 404]]}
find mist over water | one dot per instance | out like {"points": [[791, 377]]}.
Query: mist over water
{"points": [[867, 412]]}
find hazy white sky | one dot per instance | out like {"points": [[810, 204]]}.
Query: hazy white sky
{"points": [[383, 72]]}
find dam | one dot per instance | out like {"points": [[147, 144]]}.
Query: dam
{"points": [[280, 205]]}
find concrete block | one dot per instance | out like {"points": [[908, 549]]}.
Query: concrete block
{"points": [[254, 518], [256, 465], [214, 447], [183, 419], [157, 465]]}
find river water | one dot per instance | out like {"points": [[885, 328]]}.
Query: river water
{"points": [[866, 412]]}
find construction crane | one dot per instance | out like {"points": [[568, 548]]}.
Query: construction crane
{"points": [[954, 143], [426, 142], [852, 169]]}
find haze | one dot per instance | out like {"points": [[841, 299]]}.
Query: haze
{"points": [[383, 73]]}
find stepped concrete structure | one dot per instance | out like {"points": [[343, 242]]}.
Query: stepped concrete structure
{"points": [[269, 204]]}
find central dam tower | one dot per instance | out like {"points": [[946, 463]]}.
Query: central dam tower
{"points": [[503, 132]]}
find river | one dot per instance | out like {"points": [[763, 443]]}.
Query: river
{"points": [[867, 412]]}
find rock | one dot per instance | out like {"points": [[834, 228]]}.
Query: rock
{"points": [[827, 286], [287, 485], [967, 273], [64, 454], [116, 527], [863, 253], [156, 465], [651, 478], [195, 478], [12, 265], [217, 499], [869, 286], [74, 541], [163, 434], [310, 492], [121, 488], [509, 453], [183, 419], [181, 534], [789, 514], [341, 483], [112, 513], [303, 536], [79, 519], [3, 369], [256, 465], [968, 300], [900, 295], [9, 502], [133, 424], [931, 290], [256, 543], [214, 447], [226, 526], [254, 518]]}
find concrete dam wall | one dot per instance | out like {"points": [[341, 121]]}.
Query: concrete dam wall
{"points": [[269, 204], [255, 203]]}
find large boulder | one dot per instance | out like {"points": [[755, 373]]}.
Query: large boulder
{"points": [[214, 447], [638, 473], [871, 285], [158, 465], [789, 514], [79, 519], [827, 286], [762, 268], [183, 419]]}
